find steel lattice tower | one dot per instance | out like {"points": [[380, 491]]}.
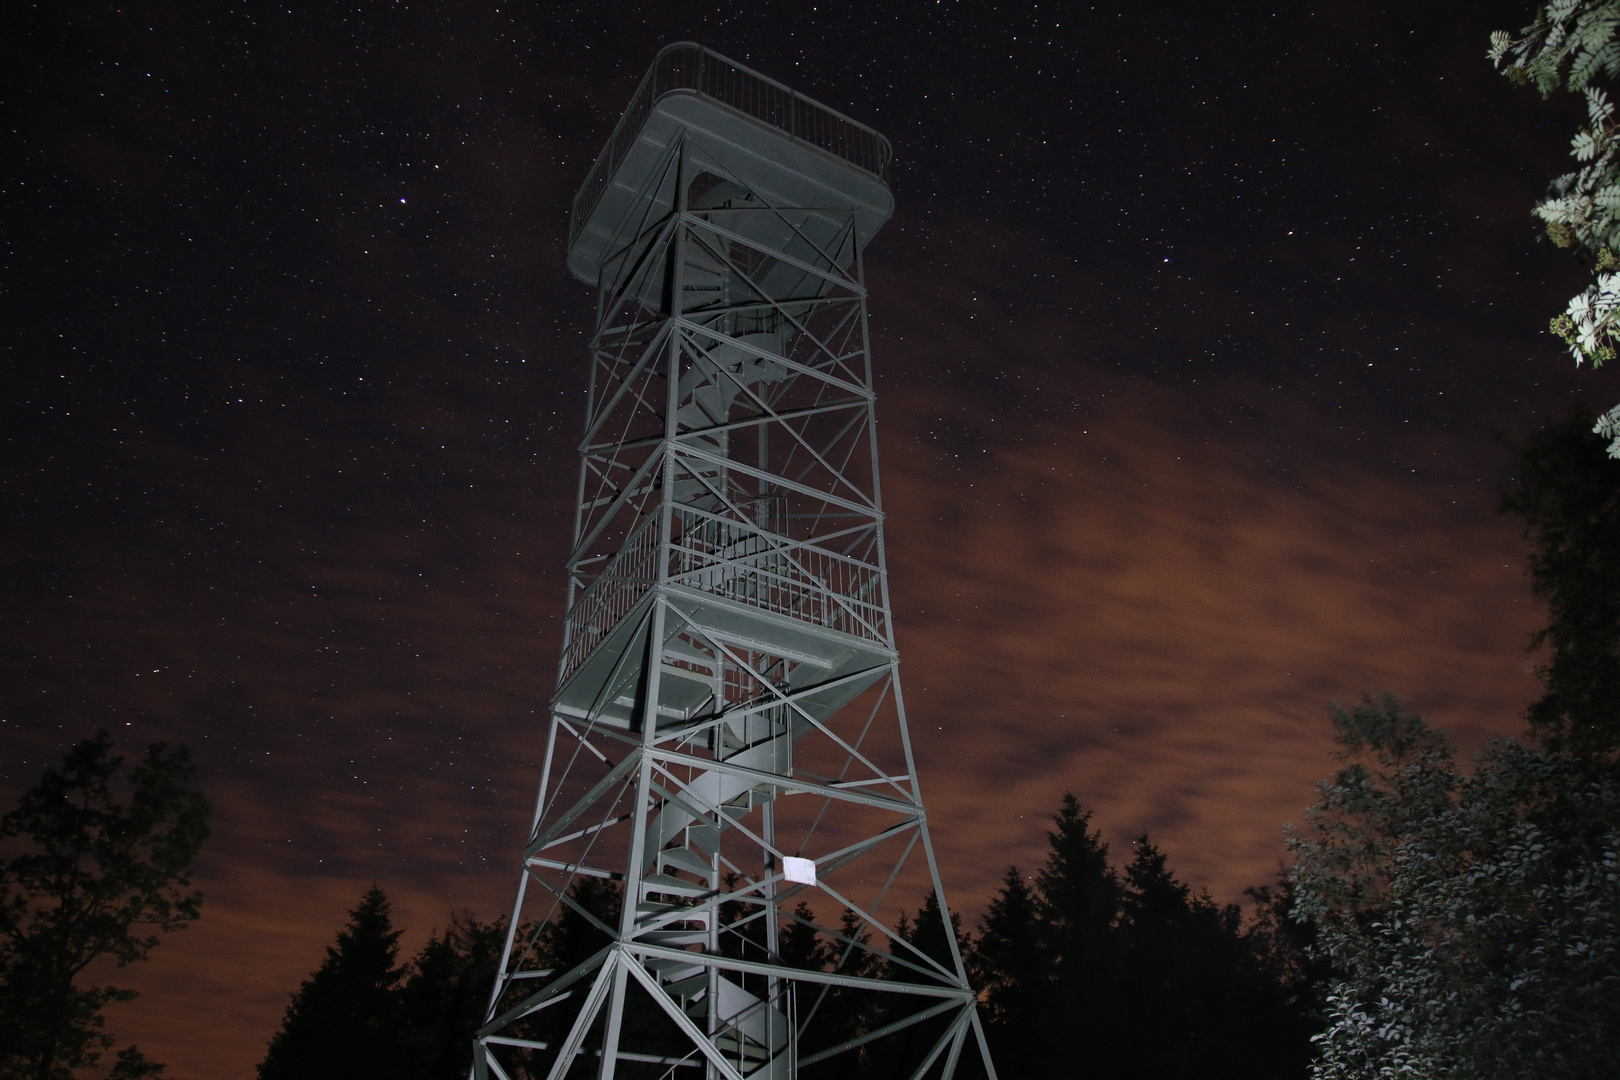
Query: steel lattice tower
{"points": [[728, 748]]}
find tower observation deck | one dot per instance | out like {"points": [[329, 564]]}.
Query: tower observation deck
{"points": [[728, 804]]}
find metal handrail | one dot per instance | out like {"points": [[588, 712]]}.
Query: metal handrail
{"points": [[688, 66], [734, 559]]}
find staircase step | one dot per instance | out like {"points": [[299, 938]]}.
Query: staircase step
{"points": [[652, 909], [673, 886], [676, 649], [669, 969], [686, 859], [675, 939], [728, 1044], [691, 986], [746, 1014]]}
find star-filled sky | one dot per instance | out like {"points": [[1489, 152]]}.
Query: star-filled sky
{"points": [[1192, 328]]}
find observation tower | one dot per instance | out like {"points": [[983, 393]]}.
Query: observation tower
{"points": [[729, 817]]}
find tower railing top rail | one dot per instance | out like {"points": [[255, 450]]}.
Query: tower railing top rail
{"points": [[688, 66]]}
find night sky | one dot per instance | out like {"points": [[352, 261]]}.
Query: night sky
{"points": [[1192, 328]]}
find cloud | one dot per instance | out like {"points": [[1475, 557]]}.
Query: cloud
{"points": [[1154, 616]]}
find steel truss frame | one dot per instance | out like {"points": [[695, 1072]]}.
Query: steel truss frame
{"points": [[729, 714]]}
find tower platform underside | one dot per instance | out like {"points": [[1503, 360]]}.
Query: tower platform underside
{"points": [[780, 170]]}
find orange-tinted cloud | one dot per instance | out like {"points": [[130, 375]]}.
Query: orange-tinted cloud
{"points": [[1129, 610]]}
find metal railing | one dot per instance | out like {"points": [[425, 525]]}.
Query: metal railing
{"points": [[628, 576], [736, 560], [691, 67]]}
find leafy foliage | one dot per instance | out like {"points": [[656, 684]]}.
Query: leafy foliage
{"points": [[1473, 917], [1573, 44], [1570, 43], [95, 878]]}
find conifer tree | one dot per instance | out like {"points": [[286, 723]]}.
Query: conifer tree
{"points": [[443, 997], [1188, 958], [919, 942], [1077, 911], [345, 1022], [572, 937], [1129, 976], [801, 946], [1010, 969], [841, 1013], [1079, 892]]}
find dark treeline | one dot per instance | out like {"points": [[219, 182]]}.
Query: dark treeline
{"points": [[1133, 974], [1120, 968]]}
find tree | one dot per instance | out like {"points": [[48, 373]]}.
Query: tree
{"points": [[1569, 498], [1010, 969], [572, 938], [565, 942], [1572, 44], [918, 941], [1130, 974], [1078, 897], [836, 1014], [1473, 917], [347, 1019], [443, 997], [95, 878], [801, 946], [1204, 996], [1184, 957], [1287, 946], [1079, 901]]}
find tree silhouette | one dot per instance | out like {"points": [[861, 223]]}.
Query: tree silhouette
{"points": [[1013, 975], [1568, 495], [443, 998], [346, 1019], [93, 874], [801, 946], [1077, 911], [1107, 974], [923, 933], [836, 1014], [1095, 970]]}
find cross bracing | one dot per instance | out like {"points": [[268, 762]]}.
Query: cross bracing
{"points": [[729, 806]]}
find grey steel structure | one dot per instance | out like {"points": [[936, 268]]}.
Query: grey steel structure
{"points": [[728, 761]]}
